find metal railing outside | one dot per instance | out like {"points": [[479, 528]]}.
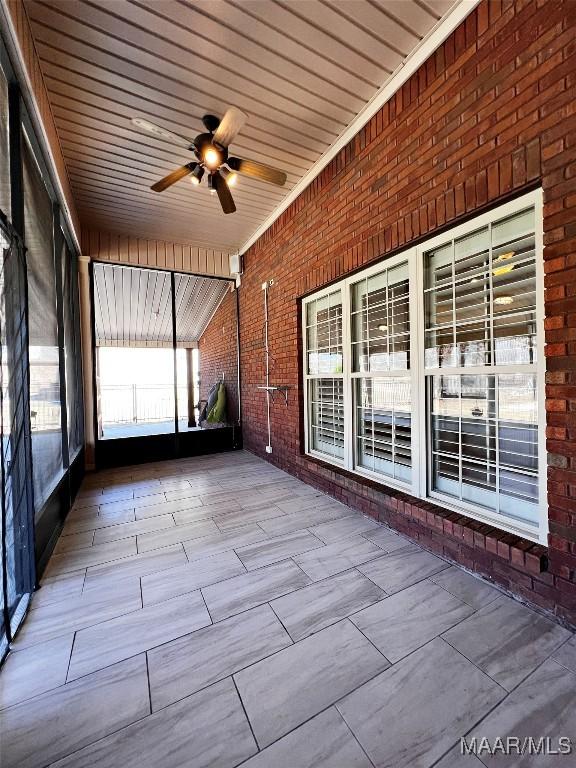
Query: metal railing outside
{"points": [[135, 403]]}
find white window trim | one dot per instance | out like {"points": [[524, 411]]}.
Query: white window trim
{"points": [[418, 374]]}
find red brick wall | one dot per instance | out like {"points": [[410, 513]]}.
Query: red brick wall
{"points": [[218, 354], [491, 114]]}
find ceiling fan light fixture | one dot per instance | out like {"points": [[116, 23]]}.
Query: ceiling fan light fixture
{"points": [[211, 156], [197, 175], [212, 183], [230, 177]]}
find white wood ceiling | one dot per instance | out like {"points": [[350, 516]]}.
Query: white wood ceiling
{"points": [[133, 307], [300, 69]]}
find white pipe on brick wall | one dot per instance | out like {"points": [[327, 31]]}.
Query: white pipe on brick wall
{"points": [[267, 356]]}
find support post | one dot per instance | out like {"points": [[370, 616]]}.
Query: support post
{"points": [[190, 379], [87, 360]]}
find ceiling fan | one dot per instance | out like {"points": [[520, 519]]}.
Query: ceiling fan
{"points": [[211, 151]]}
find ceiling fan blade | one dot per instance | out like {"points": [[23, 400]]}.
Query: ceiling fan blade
{"points": [[230, 125], [257, 170], [173, 177], [223, 192], [157, 130]]}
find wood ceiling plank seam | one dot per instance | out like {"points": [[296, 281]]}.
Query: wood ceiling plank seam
{"points": [[133, 250], [209, 313], [96, 158], [189, 310], [143, 280], [258, 93], [436, 8], [108, 286], [150, 307], [113, 304], [128, 34], [202, 296], [413, 16], [137, 277], [187, 261], [291, 72], [71, 118], [247, 196], [96, 220], [373, 18], [130, 277], [131, 162], [115, 202], [201, 200], [99, 328], [147, 307], [201, 299], [61, 81], [294, 58], [170, 256], [205, 309], [181, 283], [65, 76], [93, 219], [151, 253], [294, 27], [126, 301], [177, 257], [277, 39], [324, 19], [165, 330], [66, 47], [140, 201], [76, 141], [155, 308]]}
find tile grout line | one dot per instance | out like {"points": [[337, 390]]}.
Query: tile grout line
{"points": [[269, 604], [234, 683], [291, 558], [354, 736], [149, 684]]}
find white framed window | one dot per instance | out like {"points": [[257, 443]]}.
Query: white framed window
{"points": [[324, 375], [426, 372]]}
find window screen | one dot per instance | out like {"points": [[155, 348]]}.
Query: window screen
{"points": [[4, 148], [380, 322], [425, 372], [324, 371], [45, 409], [72, 351], [480, 298]]}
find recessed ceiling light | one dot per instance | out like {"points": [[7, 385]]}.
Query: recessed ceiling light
{"points": [[382, 327], [503, 300], [140, 122], [505, 256]]}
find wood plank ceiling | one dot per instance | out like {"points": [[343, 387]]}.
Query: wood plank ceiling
{"points": [[132, 307], [300, 69]]}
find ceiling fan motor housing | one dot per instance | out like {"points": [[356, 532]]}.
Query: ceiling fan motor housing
{"points": [[211, 122], [204, 140]]}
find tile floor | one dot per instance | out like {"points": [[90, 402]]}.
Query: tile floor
{"points": [[216, 612]]}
